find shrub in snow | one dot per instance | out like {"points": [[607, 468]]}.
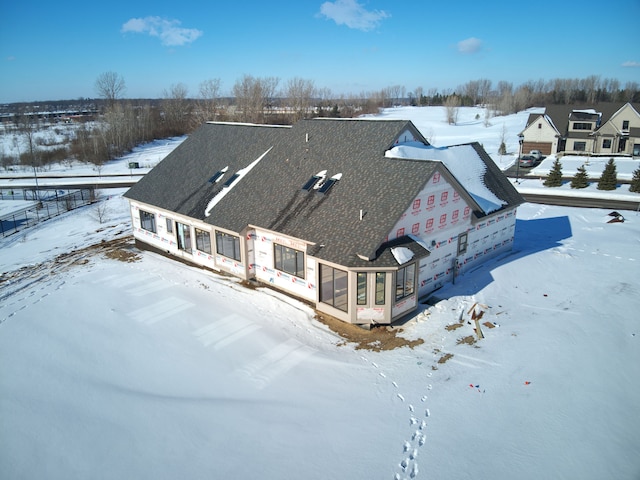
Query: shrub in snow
{"points": [[609, 178], [555, 175], [580, 179], [635, 181], [503, 149]]}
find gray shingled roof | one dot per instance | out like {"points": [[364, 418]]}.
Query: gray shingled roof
{"points": [[560, 113], [271, 196]]}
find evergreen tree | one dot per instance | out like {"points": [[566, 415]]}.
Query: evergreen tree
{"points": [[635, 181], [554, 179], [503, 149], [609, 178], [581, 178]]}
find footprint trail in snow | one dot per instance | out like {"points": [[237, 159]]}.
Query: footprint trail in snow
{"points": [[417, 438]]}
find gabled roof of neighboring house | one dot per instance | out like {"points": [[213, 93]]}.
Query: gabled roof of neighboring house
{"points": [[585, 115], [533, 117], [347, 224], [560, 113]]}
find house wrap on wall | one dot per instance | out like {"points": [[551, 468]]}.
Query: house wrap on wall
{"points": [[358, 217]]}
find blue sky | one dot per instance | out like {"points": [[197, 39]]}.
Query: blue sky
{"points": [[56, 50]]}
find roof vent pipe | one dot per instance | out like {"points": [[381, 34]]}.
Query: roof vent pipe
{"points": [[306, 138]]}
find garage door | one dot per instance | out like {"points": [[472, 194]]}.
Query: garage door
{"points": [[544, 147]]}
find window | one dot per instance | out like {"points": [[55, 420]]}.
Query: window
{"points": [[405, 281], [436, 177], [289, 260], [416, 204], [184, 236], [326, 186], [431, 200], [148, 221], [415, 229], [463, 241], [400, 232], [231, 179], [443, 219], [430, 223], [380, 287], [333, 287], [216, 177], [169, 225], [444, 196], [228, 245], [455, 214], [625, 125], [579, 146], [362, 288], [539, 125], [203, 241], [314, 180], [606, 143], [582, 126]]}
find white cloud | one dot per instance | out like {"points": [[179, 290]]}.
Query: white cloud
{"points": [[470, 45], [631, 63], [352, 14], [169, 31]]}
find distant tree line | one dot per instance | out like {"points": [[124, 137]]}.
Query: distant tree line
{"points": [[125, 123]]}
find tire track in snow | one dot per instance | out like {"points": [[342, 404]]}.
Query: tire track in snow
{"points": [[267, 367], [225, 331]]}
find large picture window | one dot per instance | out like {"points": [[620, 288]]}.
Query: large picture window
{"points": [[203, 241], [362, 288], [380, 287], [289, 260], [228, 245], [148, 221], [405, 281], [184, 236], [333, 287]]}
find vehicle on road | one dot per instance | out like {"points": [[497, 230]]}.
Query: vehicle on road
{"points": [[527, 161], [537, 154]]}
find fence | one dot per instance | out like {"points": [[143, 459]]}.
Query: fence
{"points": [[53, 206]]}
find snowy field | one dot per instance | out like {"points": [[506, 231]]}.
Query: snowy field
{"points": [[124, 364]]}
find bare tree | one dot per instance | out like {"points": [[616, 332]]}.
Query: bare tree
{"points": [[299, 93], [209, 101], [452, 107], [471, 90], [630, 91], [254, 96], [396, 92], [101, 210], [419, 91], [484, 89], [110, 86], [176, 109], [28, 126]]}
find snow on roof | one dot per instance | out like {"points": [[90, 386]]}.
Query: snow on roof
{"points": [[240, 175], [402, 254], [462, 161]]}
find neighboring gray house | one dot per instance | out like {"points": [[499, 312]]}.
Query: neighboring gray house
{"points": [[358, 217], [604, 129]]}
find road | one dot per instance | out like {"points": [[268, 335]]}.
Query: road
{"points": [[126, 181], [585, 202]]}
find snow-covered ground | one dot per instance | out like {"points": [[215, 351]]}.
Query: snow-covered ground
{"points": [[122, 364]]}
